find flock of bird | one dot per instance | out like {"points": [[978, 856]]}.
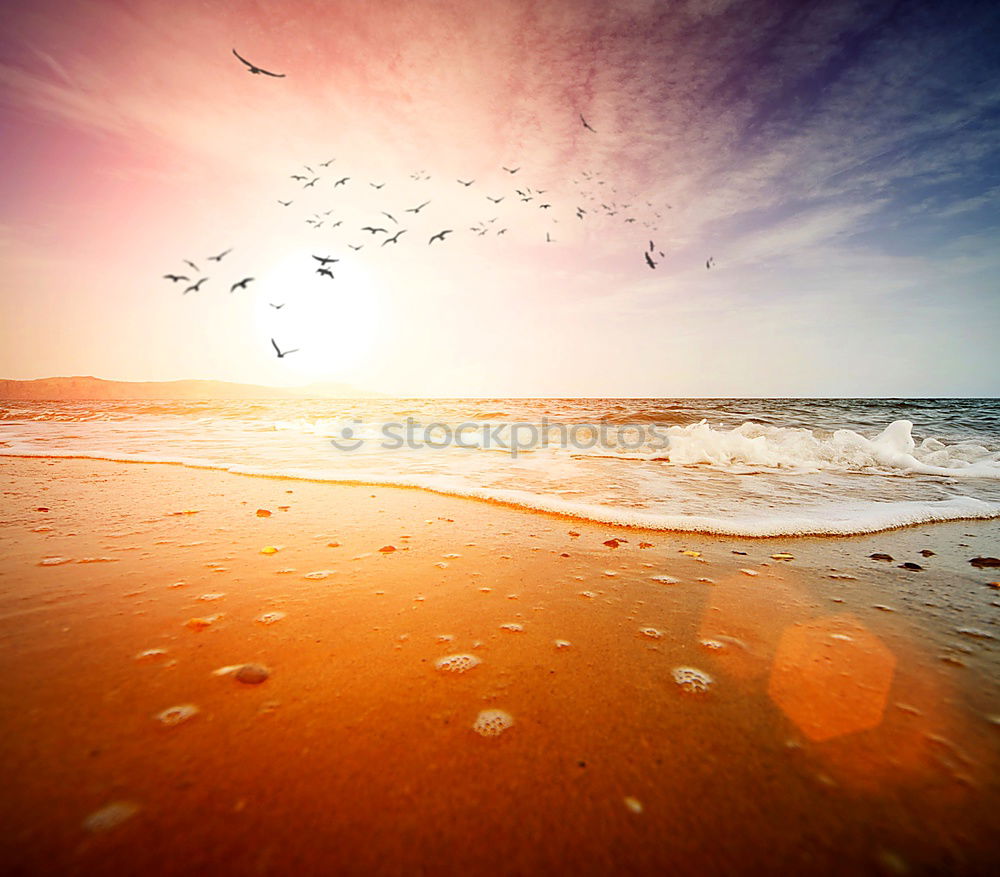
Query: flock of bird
{"points": [[596, 198]]}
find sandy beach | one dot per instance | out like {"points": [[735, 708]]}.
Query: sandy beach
{"points": [[844, 716]]}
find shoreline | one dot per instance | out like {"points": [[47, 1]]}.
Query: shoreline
{"points": [[357, 755]]}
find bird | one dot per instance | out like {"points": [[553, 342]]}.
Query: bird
{"points": [[355, 248], [325, 260], [579, 212], [649, 260], [255, 69], [585, 125], [548, 239], [511, 171], [326, 272], [495, 200], [192, 264], [327, 163], [393, 218], [502, 231], [395, 238], [651, 246], [416, 209], [219, 257], [710, 262], [375, 230], [312, 182], [175, 277], [335, 224], [299, 177], [241, 285], [466, 184], [376, 185], [277, 307], [341, 182], [279, 352], [284, 203], [196, 286], [544, 206], [439, 236]]}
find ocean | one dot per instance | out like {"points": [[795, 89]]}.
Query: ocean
{"points": [[745, 467]]}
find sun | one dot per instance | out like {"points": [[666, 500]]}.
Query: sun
{"points": [[331, 323]]}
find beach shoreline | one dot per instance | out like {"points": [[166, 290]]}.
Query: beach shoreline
{"points": [[357, 755]]}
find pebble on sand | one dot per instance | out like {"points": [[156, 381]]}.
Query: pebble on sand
{"points": [[176, 714], [613, 543], [198, 624], [884, 557], [263, 513], [689, 553], [387, 549], [633, 804], [782, 556], [645, 544], [269, 549], [110, 816], [911, 566], [985, 562], [252, 674]]}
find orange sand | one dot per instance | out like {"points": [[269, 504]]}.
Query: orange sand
{"points": [[836, 737]]}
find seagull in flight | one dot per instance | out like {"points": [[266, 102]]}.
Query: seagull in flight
{"points": [[355, 248], [548, 238], [327, 163], [219, 257], [495, 200], [341, 182], [284, 203], [416, 209], [175, 277], [395, 238], [299, 177], [196, 286], [326, 272], [241, 285], [375, 230], [439, 236], [649, 260], [511, 171], [325, 260], [255, 69], [376, 185], [277, 307], [192, 264], [393, 218], [466, 184], [279, 352], [710, 262], [585, 125], [312, 182]]}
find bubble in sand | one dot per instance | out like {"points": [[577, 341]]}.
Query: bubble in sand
{"points": [[176, 714], [665, 580], [492, 723], [457, 663], [691, 680], [110, 816], [54, 561], [512, 625], [651, 632], [270, 617], [252, 674]]}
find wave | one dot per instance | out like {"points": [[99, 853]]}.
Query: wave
{"points": [[834, 519]]}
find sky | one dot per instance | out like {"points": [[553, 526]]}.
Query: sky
{"points": [[838, 161]]}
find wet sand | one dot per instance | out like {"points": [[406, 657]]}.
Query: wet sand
{"points": [[844, 717]]}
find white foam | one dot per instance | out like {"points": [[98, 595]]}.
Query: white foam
{"points": [[692, 680], [457, 663], [492, 723]]}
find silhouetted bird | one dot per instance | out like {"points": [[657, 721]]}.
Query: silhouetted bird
{"points": [[395, 238], [175, 277], [376, 186], [279, 352], [299, 177], [284, 203], [277, 307], [393, 218], [325, 260], [355, 248], [195, 287], [192, 264], [327, 163], [416, 209], [710, 262], [326, 272], [495, 200], [241, 285], [466, 183], [255, 69], [585, 125], [548, 239], [439, 236], [219, 257], [649, 260], [375, 230], [512, 171], [341, 182], [312, 182]]}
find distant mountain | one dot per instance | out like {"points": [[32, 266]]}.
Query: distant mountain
{"points": [[90, 388]]}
